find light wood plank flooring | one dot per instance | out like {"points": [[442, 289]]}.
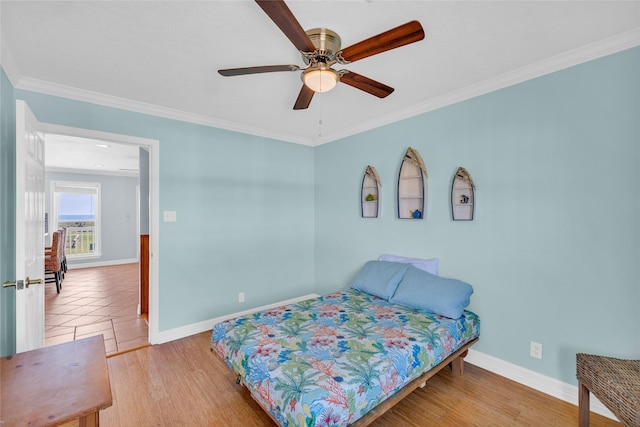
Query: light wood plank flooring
{"points": [[182, 383], [94, 301]]}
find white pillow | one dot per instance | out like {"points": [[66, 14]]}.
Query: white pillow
{"points": [[428, 265]]}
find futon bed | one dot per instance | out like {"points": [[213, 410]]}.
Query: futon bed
{"points": [[342, 358]]}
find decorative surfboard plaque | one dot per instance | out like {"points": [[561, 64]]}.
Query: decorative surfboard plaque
{"points": [[370, 193], [462, 196], [412, 192]]}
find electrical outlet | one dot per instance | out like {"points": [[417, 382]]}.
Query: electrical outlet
{"points": [[536, 350], [241, 297]]}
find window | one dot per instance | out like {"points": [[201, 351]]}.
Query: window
{"points": [[76, 206]]}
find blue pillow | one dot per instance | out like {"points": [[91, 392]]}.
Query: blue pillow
{"points": [[425, 291], [379, 278]]}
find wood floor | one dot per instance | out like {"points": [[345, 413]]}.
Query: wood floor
{"points": [[96, 301], [182, 383]]}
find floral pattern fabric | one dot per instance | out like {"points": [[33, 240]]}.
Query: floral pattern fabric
{"points": [[327, 361]]}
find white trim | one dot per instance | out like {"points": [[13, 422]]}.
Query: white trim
{"points": [[550, 65], [128, 174], [535, 380], [8, 62], [207, 325], [96, 134], [78, 266], [154, 239], [55, 89], [60, 186], [559, 62], [153, 146]]}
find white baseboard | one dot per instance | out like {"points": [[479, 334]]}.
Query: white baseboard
{"points": [[207, 325], [76, 266], [535, 380]]}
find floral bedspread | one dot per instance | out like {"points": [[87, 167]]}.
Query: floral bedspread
{"points": [[328, 361]]}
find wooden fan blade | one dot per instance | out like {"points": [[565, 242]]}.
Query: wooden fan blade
{"points": [[304, 98], [366, 84], [255, 70], [282, 16], [396, 37]]}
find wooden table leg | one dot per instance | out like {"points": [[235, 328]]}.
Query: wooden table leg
{"points": [[91, 420], [583, 405]]}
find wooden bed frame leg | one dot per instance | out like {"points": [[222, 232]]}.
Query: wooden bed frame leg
{"points": [[583, 405], [457, 366]]}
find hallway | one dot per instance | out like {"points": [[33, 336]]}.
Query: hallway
{"points": [[94, 301]]}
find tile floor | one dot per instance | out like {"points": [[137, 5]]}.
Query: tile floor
{"points": [[94, 301]]}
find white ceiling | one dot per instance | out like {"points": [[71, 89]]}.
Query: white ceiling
{"points": [[162, 57], [82, 155]]}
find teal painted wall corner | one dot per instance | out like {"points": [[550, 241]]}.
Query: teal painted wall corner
{"points": [[7, 213]]}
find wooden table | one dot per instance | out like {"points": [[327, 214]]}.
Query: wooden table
{"points": [[54, 385]]}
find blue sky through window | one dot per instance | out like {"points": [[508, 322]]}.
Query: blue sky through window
{"points": [[75, 205]]}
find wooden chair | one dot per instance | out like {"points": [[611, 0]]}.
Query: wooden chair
{"points": [[63, 248], [53, 262], [615, 382]]}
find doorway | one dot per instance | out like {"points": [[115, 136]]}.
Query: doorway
{"points": [[112, 272]]}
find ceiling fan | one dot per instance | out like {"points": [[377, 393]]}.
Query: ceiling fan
{"points": [[321, 49]]}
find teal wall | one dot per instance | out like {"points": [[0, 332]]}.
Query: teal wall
{"points": [[119, 240], [554, 250], [7, 213], [245, 210]]}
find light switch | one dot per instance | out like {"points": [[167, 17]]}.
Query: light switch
{"points": [[170, 216]]}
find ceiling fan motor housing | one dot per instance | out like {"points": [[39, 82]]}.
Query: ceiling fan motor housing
{"points": [[327, 43]]}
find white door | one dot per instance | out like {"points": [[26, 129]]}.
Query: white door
{"points": [[29, 230]]}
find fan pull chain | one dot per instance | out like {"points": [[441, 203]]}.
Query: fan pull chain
{"points": [[320, 118]]}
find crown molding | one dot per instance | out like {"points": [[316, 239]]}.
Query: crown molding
{"points": [[54, 89], [8, 62], [604, 47], [601, 48]]}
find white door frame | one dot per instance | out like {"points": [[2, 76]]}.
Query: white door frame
{"points": [[153, 145]]}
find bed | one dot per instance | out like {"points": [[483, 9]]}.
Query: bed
{"points": [[342, 358]]}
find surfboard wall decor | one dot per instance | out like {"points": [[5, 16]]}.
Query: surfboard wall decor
{"points": [[462, 196], [412, 186], [370, 194]]}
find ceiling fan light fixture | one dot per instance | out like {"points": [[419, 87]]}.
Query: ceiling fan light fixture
{"points": [[320, 79]]}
